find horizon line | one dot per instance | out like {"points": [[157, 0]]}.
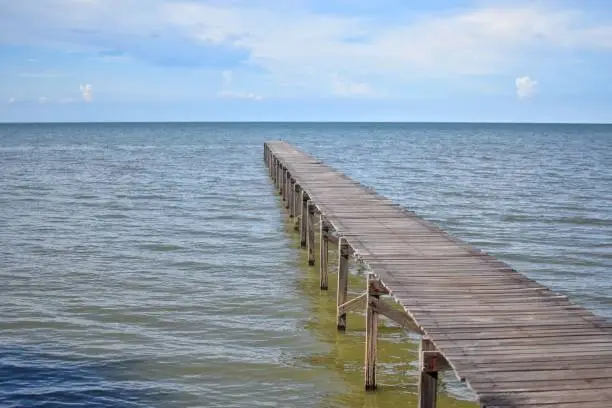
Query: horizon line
{"points": [[297, 122]]}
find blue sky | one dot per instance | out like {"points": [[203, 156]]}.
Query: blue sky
{"points": [[396, 60]]}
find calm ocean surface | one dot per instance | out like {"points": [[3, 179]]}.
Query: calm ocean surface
{"points": [[149, 265]]}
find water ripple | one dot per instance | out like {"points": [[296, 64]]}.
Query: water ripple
{"points": [[146, 264]]}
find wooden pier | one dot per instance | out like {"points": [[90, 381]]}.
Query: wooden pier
{"points": [[511, 340]]}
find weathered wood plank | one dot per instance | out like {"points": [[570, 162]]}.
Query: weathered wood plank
{"points": [[401, 319], [543, 397], [352, 304]]}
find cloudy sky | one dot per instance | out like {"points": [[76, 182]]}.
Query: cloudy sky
{"points": [[398, 60]]}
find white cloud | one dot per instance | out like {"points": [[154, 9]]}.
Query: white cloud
{"points": [[11, 101], [239, 95], [112, 58], [227, 82], [66, 100], [227, 77], [345, 87], [45, 74], [481, 41], [43, 99], [525, 86], [293, 45], [87, 92]]}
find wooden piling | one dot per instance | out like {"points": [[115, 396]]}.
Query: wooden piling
{"points": [[304, 220], [342, 291], [323, 252], [371, 336], [280, 179], [266, 153], [276, 167], [276, 173], [311, 233], [287, 189], [284, 183], [292, 198], [428, 380], [297, 209]]}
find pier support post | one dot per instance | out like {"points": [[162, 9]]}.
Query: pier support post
{"points": [[283, 183], [287, 189], [323, 244], [291, 201], [297, 197], [275, 170], [428, 382], [265, 152], [371, 334], [342, 291], [304, 220], [276, 173], [311, 233]]}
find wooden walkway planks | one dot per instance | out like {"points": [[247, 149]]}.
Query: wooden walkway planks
{"points": [[512, 340]]}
